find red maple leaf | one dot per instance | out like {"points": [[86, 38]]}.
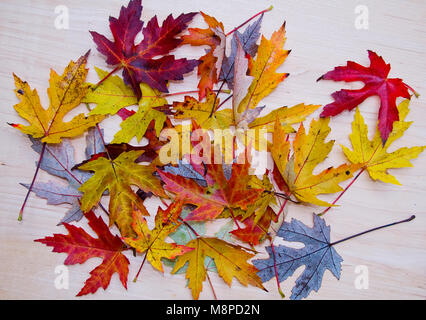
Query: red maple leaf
{"points": [[137, 59], [219, 194], [80, 247], [255, 233], [375, 78]]}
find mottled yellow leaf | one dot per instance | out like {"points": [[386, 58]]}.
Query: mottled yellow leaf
{"points": [[309, 151], [65, 93], [203, 113], [153, 241]]}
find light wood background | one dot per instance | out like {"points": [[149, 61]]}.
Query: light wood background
{"points": [[321, 35]]}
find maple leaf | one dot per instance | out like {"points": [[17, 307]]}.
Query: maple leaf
{"points": [[211, 63], [270, 56], [259, 207], [219, 194], [137, 60], [373, 155], [309, 151], [118, 176], [248, 40], [110, 96], [230, 260], [80, 247], [375, 78], [153, 241], [255, 231], [137, 124], [202, 113], [317, 255], [286, 115], [58, 160], [65, 93]]}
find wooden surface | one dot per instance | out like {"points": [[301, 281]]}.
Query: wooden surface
{"points": [[321, 35]]}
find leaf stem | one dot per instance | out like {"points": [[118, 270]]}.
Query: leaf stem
{"points": [[374, 229], [140, 268], [276, 271], [281, 210], [21, 212], [247, 21], [341, 193], [189, 226], [211, 285]]}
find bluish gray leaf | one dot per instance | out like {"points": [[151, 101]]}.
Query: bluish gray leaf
{"points": [[56, 193], [317, 255], [248, 40], [73, 214], [58, 159], [94, 142], [186, 170]]}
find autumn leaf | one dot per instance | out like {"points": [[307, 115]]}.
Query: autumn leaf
{"points": [[230, 260], [255, 231], [137, 60], [111, 95], [211, 62], [309, 151], [137, 124], [65, 93], [375, 78], [270, 56], [373, 155], [286, 115], [203, 112], [317, 255], [153, 241], [118, 176], [219, 194], [80, 247]]}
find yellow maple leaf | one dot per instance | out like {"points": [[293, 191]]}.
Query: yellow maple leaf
{"points": [[118, 176], [65, 93], [111, 95], [373, 155], [270, 56], [203, 112], [153, 241], [230, 260], [136, 124], [309, 150], [286, 116]]}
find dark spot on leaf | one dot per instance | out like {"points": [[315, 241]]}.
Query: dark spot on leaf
{"points": [[20, 91], [348, 172]]}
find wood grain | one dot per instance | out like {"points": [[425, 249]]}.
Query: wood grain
{"points": [[321, 35]]}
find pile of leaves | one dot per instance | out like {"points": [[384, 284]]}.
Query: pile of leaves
{"points": [[197, 185]]}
